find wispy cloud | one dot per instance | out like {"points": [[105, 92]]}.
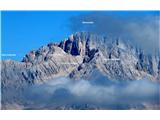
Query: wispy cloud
{"points": [[140, 28]]}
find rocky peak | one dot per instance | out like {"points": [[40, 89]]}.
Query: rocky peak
{"points": [[74, 45], [40, 55]]}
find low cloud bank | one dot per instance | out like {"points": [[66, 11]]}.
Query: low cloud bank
{"points": [[118, 95]]}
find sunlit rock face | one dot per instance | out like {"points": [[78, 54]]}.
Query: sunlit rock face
{"points": [[78, 57]]}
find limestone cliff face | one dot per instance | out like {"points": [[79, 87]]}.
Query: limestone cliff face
{"points": [[37, 68]]}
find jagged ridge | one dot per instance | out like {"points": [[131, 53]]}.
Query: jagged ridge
{"points": [[81, 52]]}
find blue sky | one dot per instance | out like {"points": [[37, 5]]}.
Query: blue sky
{"points": [[23, 31]]}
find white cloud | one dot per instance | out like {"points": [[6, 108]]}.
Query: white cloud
{"points": [[63, 91], [141, 28]]}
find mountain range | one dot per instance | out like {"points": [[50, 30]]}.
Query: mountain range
{"points": [[83, 55]]}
